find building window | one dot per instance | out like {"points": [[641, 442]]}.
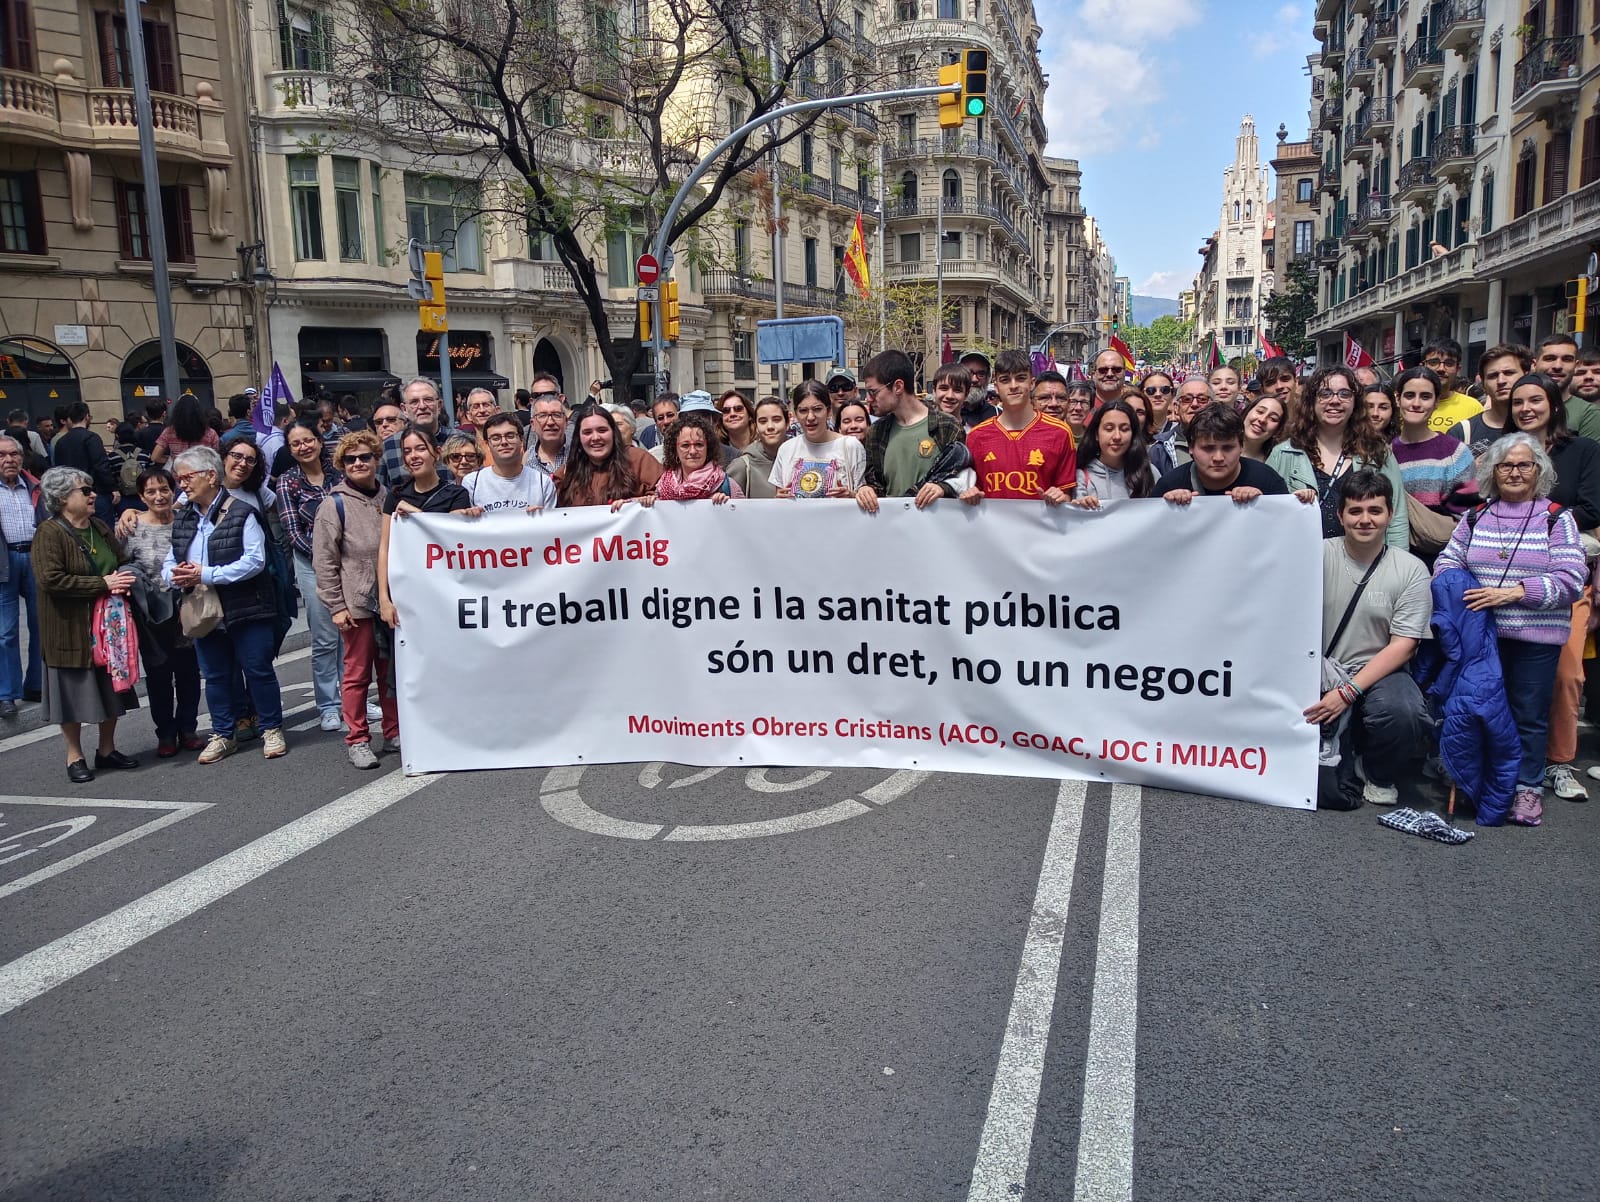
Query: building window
{"points": [[809, 249], [905, 10], [16, 35], [445, 212], [950, 245], [807, 155], [133, 223], [377, 214], [839, 276], [1304, 238], [1486, 205], [908, 128], [741, 247], [836, 167], [952, 188], [622, 249], [736, 115], [911, 248], [908, 187], [21, 219], [950, 10], [1556, 152], [305, 207], [305, 38], [347, 207], [1522, 197], [1304, 191], [111, 38]]}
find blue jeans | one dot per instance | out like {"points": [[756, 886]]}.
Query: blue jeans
{"points": [[1530, 674], [243, 648], [15, 593], [327, 655]]}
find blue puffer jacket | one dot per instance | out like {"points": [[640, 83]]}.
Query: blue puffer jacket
{"points": [[1459, 672]]}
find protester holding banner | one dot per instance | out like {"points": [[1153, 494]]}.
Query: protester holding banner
{"points": [[300, 493], [1217, 466], [692, 468], [752, 470], [601, 469], [1113, 462], [509, 482], [820, 462], [1325, 441], [911, 451], [1021, 454], [422, 492], [348, 538], [1526, 563]]}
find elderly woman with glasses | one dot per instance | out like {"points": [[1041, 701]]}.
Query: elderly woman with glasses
{"points": [[462, 454], [1328, 438], [1519, 556], [76, 563], [220, 541]]}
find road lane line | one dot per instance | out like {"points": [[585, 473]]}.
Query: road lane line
{"points": [[177, 811], [37, 972], [1001, 1171], [1105, 1125]]}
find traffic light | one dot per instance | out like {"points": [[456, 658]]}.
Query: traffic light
{"points": [[1577, 306], [646, 329], [974, 82], [669, 310], [950, 110], [431, 314]]}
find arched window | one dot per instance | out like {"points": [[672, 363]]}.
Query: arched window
{"points": [[952, 186], [908, 186], [1236, 211], [1249, 207]]}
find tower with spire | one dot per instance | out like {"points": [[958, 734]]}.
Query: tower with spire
{"points": [[1242, 272]]}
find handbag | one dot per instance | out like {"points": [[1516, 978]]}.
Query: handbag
{"points": [[1430, 529], [201, 612]]}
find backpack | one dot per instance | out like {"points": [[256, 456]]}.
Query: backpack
{"points": [[128, 475], [1477, 511]]}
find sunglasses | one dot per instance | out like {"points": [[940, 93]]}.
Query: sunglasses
{"points": [[1168, 391], [86, 492], [360, 457]]}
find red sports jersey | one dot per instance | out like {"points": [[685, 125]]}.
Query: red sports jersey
{"points": [[1021, 464]]}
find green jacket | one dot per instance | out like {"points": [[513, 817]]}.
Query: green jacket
{"points": [[1294, 465], [68, 587]]}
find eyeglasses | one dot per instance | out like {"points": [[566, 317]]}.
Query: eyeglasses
{"points": [[86, 491], [1515, 469], [545, 396], [549, 417], [1437, 362], [1167, 391], [240, 457], [1077, 402], [1332, 394], [508, 439], [360, 457], [183, 480]]}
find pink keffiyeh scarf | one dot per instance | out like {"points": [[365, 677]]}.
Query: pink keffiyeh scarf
{"points": [[696, 486], [116, 642]]}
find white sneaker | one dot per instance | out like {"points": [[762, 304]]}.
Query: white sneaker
{"points": [[272, 744], [218, 748], [331, 720], [374, 712], [1560, 780], [1380, 795], [361, 755]]}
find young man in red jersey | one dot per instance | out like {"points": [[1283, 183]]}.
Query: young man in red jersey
{"points": [[1020, 454]]}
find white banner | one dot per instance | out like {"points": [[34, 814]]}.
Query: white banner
{"points": [[1144, 643]]}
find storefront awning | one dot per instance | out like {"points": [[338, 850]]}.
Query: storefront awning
{"points": [[466, 381], [350, 381]]}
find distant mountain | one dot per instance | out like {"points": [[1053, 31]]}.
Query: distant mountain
{"points": [[1147, 308]]}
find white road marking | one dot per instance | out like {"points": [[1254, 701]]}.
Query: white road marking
{"points": [[651, 775], [1105, 1126], [1001, 1170], [50, 732], [837, 812], [59, 961], [176, 811], [568, 808], [756, 781], [895, 787]]}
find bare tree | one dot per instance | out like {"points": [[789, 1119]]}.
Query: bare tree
{"points": [[578, 119]]}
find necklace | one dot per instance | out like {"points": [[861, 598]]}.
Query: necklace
{"points": [[1517, 546]]}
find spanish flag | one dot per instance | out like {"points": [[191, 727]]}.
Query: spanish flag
{"points": [[855, 260], [1121, 348]]}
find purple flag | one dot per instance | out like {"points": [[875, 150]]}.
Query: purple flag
{"points": [[1042, 362], [264, 413]]}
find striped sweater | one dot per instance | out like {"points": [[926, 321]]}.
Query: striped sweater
{"points": [[1546, 560], [1434, 466]]}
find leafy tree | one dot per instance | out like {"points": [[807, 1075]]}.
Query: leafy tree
{"points": [[573, 122], [1160, 341], [910, 322], [1291, 308]]}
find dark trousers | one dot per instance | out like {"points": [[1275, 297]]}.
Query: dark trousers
{"points": [[174, 685], [1530, 675], [1388, 730]]}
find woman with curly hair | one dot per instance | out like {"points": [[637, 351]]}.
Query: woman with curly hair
{"points": [[1327, 440], [693, 464], [601, 469]]}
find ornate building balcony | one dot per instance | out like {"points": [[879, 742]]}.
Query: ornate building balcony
{"points": [[1454, 150], [1460, 26], [1559, 230], [1416, 179], [64, 114], [1424, 64], [1550, 73]]}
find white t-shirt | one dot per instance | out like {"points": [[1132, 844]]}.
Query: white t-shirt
{"points": [[846, 454], [493, 492]]}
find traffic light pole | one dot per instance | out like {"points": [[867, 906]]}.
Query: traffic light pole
{"points": [[660, 248], [1044, 344]]}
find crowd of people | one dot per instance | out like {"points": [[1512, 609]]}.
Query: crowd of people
{"points": [[1459, 522]]}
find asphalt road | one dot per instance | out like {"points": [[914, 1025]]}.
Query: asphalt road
{"points": [[291, 980]]}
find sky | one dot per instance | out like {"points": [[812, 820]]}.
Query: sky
{"points": [[1147, 95]]}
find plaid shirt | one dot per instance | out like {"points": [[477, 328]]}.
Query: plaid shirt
{"points": [[949, 437], [298, 500], [392, 469]]}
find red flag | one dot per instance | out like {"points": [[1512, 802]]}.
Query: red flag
{"points": [[1213, 356], [946, 353], [1121, 348], [1268, 350], [1355, 355]]}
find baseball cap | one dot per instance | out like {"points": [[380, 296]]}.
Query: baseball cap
{"points": [[696, 401], [840, 373], [250, 392]]}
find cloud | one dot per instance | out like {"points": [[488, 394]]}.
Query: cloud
{"points": [[1280, 32], [1166, 283], [1101, 77]]}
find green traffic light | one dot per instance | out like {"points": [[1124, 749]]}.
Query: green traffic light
{"points": [[975, 106]]}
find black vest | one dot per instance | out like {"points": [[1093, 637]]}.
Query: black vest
{"points": [[248, 600]]}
